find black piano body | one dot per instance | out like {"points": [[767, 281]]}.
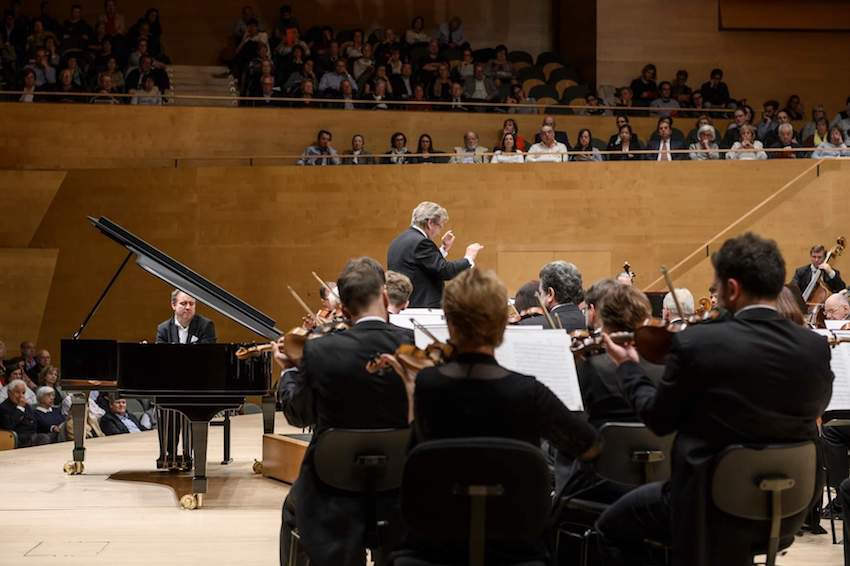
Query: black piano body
{"points": [[198, 380]]}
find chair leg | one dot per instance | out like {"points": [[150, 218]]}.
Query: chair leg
{"points": [[831, 510]]}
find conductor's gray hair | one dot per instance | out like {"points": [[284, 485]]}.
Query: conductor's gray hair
{"points": [[565, 278], [426, 211], [42, 391]]}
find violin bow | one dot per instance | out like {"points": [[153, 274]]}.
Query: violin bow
{"points": [[326, 286], [550, 320], [669, 282], [425, 331], [303, 305]]}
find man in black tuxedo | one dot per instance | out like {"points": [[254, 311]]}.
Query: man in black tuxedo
{"points": [[830, 277], [753, 378], [560, 285], [332, 389], [118, 421], [664, 143], [185, 327], [413, 253]]}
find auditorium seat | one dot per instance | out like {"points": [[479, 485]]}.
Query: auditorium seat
{"points": [[520, 57], [549, 68], [8, 440], [550, 57], [543, 91]]}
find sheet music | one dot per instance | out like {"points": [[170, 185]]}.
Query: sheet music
{"points": [[531, 350], [425, 317], [834, 324], [841, 386]]}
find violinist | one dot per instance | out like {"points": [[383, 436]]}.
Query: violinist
{"points": [[804, 276], [525, 301], [752, 378], [837, 307], [560, 287], [333, 382], [472, 395], [399, 289], [669, 311]]}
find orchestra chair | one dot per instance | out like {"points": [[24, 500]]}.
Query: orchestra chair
{"points": [[8, 440], [767, 483], [836, 463], [632, 456], [466, 492], [361, 461]]}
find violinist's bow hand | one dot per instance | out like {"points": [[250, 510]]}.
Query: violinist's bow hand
{"points": [[619, 354]]}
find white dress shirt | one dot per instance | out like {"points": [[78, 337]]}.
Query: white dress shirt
{"points": [[182, 333], [664, 151], [443, 250]]}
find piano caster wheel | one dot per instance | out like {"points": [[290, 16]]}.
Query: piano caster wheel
{"points": [[74, 468], [258, 467], [192, 501]]}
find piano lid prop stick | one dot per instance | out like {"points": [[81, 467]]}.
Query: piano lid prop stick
{"points": [[303, 305], [326, 286]]}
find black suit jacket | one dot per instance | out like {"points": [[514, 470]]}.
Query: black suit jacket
{"points": [[333, 378], [803, 276], [474, 396], [416, 256], [200, 327], [110, 424], [400, 91], [752, 378], [569, 314], [21, 422], [655, 145]]}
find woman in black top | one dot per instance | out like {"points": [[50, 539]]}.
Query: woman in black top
{"points": [[474, 396], [425, 150], [628, 143]]}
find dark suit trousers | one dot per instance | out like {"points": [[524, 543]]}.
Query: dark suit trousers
{"points": [[641, 514], [844, 499]]}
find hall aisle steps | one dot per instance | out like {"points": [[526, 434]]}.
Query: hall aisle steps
{"points": [[203, 80]]}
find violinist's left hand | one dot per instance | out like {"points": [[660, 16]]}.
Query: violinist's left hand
{"points": [[620, 354], [448, 240], [280, 356]]}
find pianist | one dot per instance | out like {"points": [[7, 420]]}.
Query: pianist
{"points": [[185, 327]]}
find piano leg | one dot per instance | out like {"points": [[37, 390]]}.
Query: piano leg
{"points": [[79, 406], [268, 414], [200, 432], [227, 459]]}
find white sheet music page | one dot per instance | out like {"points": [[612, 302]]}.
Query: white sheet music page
{"points": [[840, 364], [531, 350]]}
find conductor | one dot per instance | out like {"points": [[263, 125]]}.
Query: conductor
{"points": [[413, 253]]}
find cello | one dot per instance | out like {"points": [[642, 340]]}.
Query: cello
{"points": [[818, 292]]}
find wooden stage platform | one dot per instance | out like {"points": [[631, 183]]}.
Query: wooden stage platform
{"points": [[50, 518]]}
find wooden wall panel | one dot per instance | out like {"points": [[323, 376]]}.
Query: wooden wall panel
{"points": [[255, 230], [26, 276], [196, 32], [86, 136], [758, 65], [24, 198]]}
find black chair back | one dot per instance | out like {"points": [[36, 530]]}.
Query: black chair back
{"points": [[476, 490], [767, 483], [361, 460], [633, 454]]}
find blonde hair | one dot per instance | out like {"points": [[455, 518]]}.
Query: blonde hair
{"points": [[475, 304], [399, 288]]}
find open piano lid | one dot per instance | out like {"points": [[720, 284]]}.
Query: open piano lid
{"points": [[181, 277]]}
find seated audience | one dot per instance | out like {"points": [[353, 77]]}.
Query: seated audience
{"points": [[416, 33], [733, 132], [294, 83], [149, 95], [547, 149], [17, 373], [768, 121], [681, 91], [715, 92], [379, 96], [794, 107], [748, 147], [842, 119], [425, 149], [118, 421], [644, 89], [49, 376], [397, 154], [665, 103], [584, 150], [627, 142], [42, 360], [705, 148], [28, 87], [451, 33], [560, 135], [358, 154], [703, 120], [510, 126], [330, 82], [465, 67], [772, 137], [420, 99], [471, 152], [500, 68], [321, 152], [820, 135], [48, 416], [65, 86], [818, 111], [624, 102], [507, 152], [786, 141], [592, 107], [45, 74], [519, 99], [403, 83], [474, 396], [664, 144], [620, 121], [441, 86], [17, 416], [429, 63], [833, 148], [457, 100], [104, 91], [363, 64]]}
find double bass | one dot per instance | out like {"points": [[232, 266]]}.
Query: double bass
{"points": [[818, 291]]}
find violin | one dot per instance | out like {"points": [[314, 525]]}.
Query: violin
{"points": [[292, 343], [410, 358], [703, 307], [584, 344], [820, 292]]}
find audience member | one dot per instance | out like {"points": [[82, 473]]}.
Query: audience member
{"points": [[842, 119], [268, 93], [104, 91], [403, 83], [363, 64], [471, 152], [451, 33], [809, 129], [627, 142], [358, 154], [519, 98], [832, 148], [748, 147], [715, 93], [768, 121], [17, 416], [379, 96], [75, 32], [416, 33], [509, 126], [457, 100], [665, 101], [593, 107], [705, 148], [547, 149], [584, 150], [421, 100], [42, 361], [17, 373], [45, 74], [560, 135], [48, 416], [28, 87], [782, 117], [321, 152], [664, 144], [643, 89], [733, 131], [820, 135], [118, 421], [625, 101], [441, 86], [680, 89], [330, 82], [794, 107], [49, 376], [397, 154], [500, 68], [507, 152], [425, 149], [703, 120], [466, 67], [786, 141]]}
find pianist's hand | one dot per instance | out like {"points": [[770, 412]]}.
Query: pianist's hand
{"points": [[280, 357]]}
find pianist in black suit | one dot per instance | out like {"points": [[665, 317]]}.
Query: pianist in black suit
{"points": [[560, 284], [413, 253], [473, 395], [185, 327], [750, 379], [333, 389]]}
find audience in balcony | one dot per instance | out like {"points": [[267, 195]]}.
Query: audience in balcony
{"points": [[358, 154], [548, 149], [425, 150], [842, 119], [747, 147], [510, 126], [833, 147], [644, 89], [715, 92], [451, 33], [625, 143], [321, 152], [665, 144], [470, 152], [665, 103], [507, 152], [704, 148], [14, 373], [416, 33], [584, 150], [49, 418], [397, 154], [820, 135], [17, 416], [809, 128]]}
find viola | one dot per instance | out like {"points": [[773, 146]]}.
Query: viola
{"points": [[585, 344], [292, 343], [411, 359]]}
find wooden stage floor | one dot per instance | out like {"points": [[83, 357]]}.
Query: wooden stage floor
{"points": [[47, 517]]}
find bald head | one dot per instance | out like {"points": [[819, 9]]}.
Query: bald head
{"points": [[837, 307]]}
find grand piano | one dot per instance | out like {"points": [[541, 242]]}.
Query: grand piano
{"points": [[196, 380]]}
